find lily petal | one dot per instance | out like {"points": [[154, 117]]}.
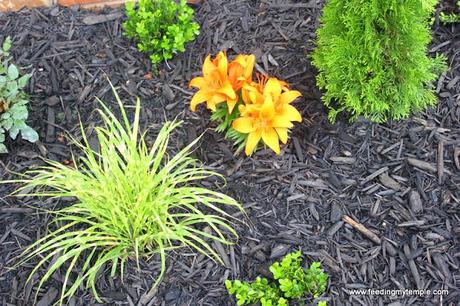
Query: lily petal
{"points": [[216, 99], [227, 90], [282, 134], [208, 66], [231, 104], [244, 125], [222, 64], [289, 96], [270, 138], [281, 122], [252, 141], [200, 97], [273, 88], [251, 59], [268, 109], [197, 82], [290, 113]]}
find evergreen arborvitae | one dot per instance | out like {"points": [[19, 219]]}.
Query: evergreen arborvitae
{"points": [[372, 58]]}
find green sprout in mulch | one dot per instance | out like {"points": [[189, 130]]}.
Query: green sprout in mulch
{"points": [[292, 282], [450, 17]]}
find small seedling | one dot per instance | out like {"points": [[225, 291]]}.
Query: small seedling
{"points": [[292, 283], [450, 18]]}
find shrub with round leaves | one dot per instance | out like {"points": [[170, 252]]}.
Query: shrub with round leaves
{"points": [[160, 27]]}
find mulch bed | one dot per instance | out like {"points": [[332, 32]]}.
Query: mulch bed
{"points": [[400, 180]]}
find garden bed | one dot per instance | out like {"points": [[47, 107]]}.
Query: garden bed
{"points": [[400, 180]]}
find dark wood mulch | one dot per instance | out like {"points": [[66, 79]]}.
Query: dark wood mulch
{"points": [[399, 180]]}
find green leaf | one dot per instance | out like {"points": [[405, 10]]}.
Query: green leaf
{"points": [[7, 44], [29, 134], [22, 81], [7, 123], [3, 149], [13, 72], [13, 131], [12, 87]]}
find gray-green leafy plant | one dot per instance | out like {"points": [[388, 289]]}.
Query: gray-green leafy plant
{"points": [[132, 201], [13, 100], [292, 283]]}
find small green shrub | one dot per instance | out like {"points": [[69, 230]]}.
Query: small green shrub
{"points": [[13, 100], [132, 201], [293, 282], [450, 18], [160, 27], [372, 58]]}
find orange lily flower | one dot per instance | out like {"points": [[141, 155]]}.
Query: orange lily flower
{"points": [[268, 116], [254, 92], [240, 70], [214, 86]]}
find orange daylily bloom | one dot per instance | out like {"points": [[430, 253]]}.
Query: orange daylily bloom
{"points": [[268, 116], [240, 70], [254, 92], [214, 86], [221, 80]]}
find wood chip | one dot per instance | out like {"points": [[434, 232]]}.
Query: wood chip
{"points": [[457, 157], [99, 18], [389, 182], [415, 202], [343, 160], [374, 175], [422, 165], [279, 250]]}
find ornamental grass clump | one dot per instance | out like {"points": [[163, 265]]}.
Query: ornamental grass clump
{"points": [[160, 27], [372, 58], [132, 201], [248, 111]]}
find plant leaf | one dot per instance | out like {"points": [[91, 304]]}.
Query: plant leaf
{"points": [[29, 134], [13, 72], [7, 44], [3, 149]]}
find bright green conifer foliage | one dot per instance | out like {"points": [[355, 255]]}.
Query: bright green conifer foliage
{"points": [[372, 58]]}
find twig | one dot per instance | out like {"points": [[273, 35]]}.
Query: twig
{"points": [[440, 164], [361, 228], [15, 210]]}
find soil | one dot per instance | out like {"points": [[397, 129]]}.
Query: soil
{"points": [[399, 180]]}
